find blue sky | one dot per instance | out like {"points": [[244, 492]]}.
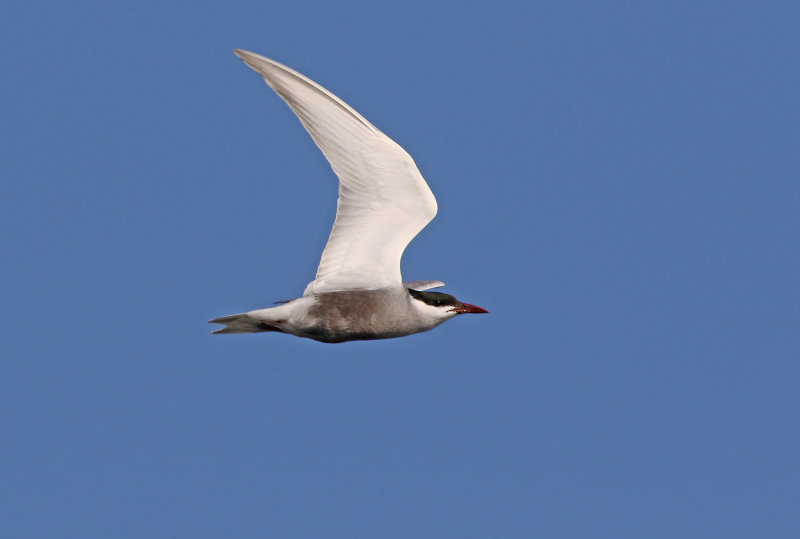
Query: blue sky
{"points": [[617, 184]]}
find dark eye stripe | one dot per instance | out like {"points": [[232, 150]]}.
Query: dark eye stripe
{"points": [[435, 299]]}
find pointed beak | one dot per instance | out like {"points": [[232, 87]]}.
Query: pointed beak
{"points": [[467, 308]]}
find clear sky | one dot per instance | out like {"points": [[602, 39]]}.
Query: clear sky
{"points": [[618, 183]]}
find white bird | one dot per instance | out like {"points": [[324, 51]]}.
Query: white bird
{"points": [[384, 202]]}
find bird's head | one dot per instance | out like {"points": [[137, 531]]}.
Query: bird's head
{"points": [[440, 307]]}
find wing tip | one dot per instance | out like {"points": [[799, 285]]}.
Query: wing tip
{"points": [[250, 58], [423, 285], [241, 53]]}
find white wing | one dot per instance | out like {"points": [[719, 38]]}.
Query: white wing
{"points": [[423, 285], [383, 199]]}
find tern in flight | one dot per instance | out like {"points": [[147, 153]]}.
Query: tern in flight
{"points": [[358, 293]]}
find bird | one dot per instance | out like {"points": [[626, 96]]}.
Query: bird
{"points": [[384, 202]]}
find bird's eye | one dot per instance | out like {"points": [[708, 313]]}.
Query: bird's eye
{"points": [[438, 303]]}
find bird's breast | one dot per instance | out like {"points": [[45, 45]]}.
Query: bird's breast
{"points": [[359, 315]]}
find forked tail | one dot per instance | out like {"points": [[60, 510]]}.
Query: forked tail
{"points": [[241, 323]]}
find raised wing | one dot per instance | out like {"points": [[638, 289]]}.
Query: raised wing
{"points": [[383, 199]]}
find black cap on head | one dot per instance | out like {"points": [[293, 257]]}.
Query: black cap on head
{"points": [[435, 299]]}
